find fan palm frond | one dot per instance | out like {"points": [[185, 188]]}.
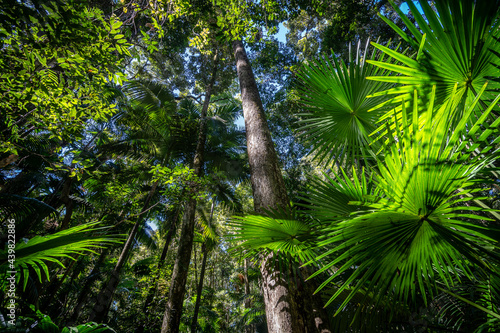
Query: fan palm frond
{"points": [[18, 207], [150, 95], [338, 198], [448, 53], [337, 121], [278, 232], [421, 230]]}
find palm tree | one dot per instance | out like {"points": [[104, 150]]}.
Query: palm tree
{"points": [[218, 154], [404, 232], [160, 129], [224, 164], [145, 98]]}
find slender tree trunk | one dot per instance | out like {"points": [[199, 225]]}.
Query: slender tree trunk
{"points": [[70, 205], [84, 293], [212, 275], [154, 284], [173, 311], [161, 262], [195, 259], [248, 304], [194, 322], [105, 297], [282, 302]]}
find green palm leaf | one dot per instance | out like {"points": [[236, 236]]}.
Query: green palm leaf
{"points": [[448, 53], [337, 122], [150, 95], [279, 233], [339, 197], [421, 230], [460, 306], [51, 248], [90, 327]]}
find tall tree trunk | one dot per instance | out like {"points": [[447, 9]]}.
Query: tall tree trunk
{"points": [[194, 322], [248, 304], [84, 293], [161, 262], [173, 311], [195, 273], [105, 297], [267, 182], [70, 205], [51, 290], [154, 284], [282, 302]]}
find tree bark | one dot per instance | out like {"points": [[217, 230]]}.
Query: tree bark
{"points": [[283, 304], [84, 293], [194, 322], [268, 188], [267, 182], [154, 285], [248, 304], [70, 205], [105, 297], [173, 311]]}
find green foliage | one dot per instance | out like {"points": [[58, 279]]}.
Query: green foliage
{"points": [[399, 232], [36, 252], [278, 232], [448, 54], [420, 232], [330, 27], [18, 208], [58, 60], [340, 197], [88, 328], [38, 322], [338, 121]]}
